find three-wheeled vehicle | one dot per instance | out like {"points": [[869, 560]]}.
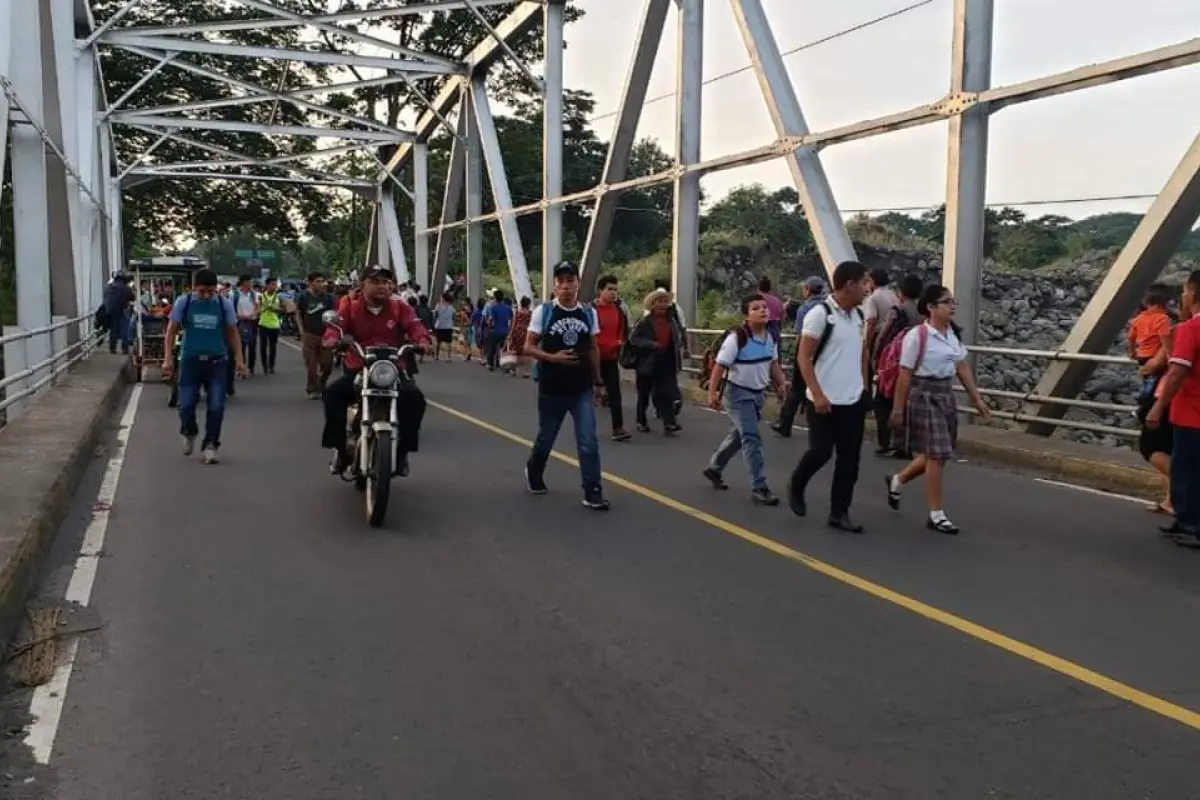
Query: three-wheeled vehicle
{"points": [[157, 282]]}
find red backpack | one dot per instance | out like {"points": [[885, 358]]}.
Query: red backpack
{"points": [[887, 370]]}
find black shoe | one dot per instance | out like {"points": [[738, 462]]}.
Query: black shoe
{"points": [[339, 463], [594, 500], [535, 483], [843, 523], [796, 502], [1174, 529], [943, 525], [764, 497], [893, 497], [1186, 539], [885, 452], [401, 469], [621, 436], [643, 427], [715, 479], [781, 431], [672, 428]]}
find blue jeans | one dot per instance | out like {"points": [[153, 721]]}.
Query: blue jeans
{"points": [[194, 373], [1185, 478], [744, 408], [552, 410], [120, 329]]}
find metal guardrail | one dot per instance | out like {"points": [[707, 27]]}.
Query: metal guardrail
{"points": [[1024, 397], [22, 379]]}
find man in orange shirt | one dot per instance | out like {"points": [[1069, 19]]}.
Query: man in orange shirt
{"points": [[614, 330], [1179, 400]]}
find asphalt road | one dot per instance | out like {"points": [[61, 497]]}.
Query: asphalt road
{"points": [[259, 641]]}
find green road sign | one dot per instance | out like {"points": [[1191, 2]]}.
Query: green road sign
{"points": [[268, 254], [243, 253]]}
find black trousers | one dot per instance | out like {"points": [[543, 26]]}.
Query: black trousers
{"points": [[882, 406], [268, 347], [340, 393], [660, 387], [791, 403], [610, 373], [839, 432]]}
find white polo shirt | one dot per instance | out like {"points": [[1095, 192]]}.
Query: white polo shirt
{"points": [[943, 352], [839, 369]]}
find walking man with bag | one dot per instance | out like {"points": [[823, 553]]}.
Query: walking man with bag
{"points": [[318, 360]]}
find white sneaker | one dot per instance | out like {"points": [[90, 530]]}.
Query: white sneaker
{"points": [[189, 445], [209, 456]]}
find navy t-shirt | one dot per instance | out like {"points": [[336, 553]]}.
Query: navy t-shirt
{"points": [[565, 329]]}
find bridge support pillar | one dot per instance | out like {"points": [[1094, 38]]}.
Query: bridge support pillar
{"points": [[378, 233], [966, 163], [6, 30], [16, 361], [616, 166], [688, 117], [392, 241], [552, 143], [421, 222], [451, 203], [474, 185], [1138, 265]]}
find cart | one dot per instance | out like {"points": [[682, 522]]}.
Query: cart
{"points": [[166, 278]]}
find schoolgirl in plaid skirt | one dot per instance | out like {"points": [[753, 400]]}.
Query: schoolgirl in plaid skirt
{"points": [[925, 415]]}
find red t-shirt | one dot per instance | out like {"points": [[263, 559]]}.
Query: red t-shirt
{"points": [[612, 330], [1185, 351], [396, 324]]}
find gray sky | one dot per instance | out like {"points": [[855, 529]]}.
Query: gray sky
{"points": [[1111, 140]]}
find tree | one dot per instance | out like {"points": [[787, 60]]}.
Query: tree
{"points": [[775, 218]]}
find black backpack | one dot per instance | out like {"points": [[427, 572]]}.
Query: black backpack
{"points": [[822, 343]]}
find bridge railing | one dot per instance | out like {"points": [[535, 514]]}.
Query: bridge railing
{"points": [[35, 359], [701, 338]]}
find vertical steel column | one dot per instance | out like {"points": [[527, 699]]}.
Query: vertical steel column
{"points": [[378, 231], [6, 30], [812, 184], [31, 219], [616, 166], [1156, 238], [688, 107], [62, 198], [552, 142], [390, 234], [116, 211], [372, 232], [451, 201], [421, 220], [493, 159], [474, 182], [88, 138], [966, 168]]}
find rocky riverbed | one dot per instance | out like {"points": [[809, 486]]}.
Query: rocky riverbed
{"points": [[1032, 310]]}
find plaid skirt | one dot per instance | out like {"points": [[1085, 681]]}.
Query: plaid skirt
{"points": [[930, 420]]}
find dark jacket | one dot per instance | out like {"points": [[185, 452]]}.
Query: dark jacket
{"points": [[642, 339]]}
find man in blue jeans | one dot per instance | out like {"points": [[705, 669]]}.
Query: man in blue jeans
{"points": [[210, 333], [748, 359], [562, 340]]}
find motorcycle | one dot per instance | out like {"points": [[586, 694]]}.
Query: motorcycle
{"points": [[372, 435]]}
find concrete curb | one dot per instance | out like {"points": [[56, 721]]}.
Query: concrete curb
{"points": [[1024, 453], [43, 456]]}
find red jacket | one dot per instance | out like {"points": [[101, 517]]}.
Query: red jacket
{"points": [[395, 325]]}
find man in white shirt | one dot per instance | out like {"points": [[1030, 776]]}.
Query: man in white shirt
{"points": [[832, 360], [246, 304]]}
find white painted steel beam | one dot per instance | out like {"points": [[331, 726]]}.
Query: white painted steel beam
{"points": [[367, 15], [336, 181], [6, 32], [967, 162], [522, 20], [474, 187], [423, 69], [552, 142], [63, 118], [324, 152], [392, 238], [500, 41], [688, 107], [1157, 238], [808, 173], [624, 136], [421, 221], [493, 158], [130, 118], [262, 95], [451, 201]]}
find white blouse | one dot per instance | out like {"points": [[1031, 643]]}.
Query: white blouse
{"points": [[943, 352]]}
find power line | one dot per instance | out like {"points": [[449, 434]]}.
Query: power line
{"points": [[823, 40]]}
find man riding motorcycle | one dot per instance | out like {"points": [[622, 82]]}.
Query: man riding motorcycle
{"points": [[374, 318]]}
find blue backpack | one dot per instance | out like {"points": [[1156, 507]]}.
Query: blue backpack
{"points": [[546, 310]]}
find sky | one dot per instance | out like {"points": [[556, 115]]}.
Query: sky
{"points": [[1120, 139]]}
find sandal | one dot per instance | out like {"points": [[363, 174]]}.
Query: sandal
{"points": [[943, 525], [893, 497]]}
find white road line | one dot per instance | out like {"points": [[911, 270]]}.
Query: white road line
{"points": [[48, 699], [1139, 500]]}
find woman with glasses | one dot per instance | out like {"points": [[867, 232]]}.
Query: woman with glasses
{"points": [[925, 416]]}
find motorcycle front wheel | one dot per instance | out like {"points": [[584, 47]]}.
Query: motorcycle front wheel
{"points": [[379, 477]]}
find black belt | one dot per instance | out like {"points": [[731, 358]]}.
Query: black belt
{"points": [[205, 359]]}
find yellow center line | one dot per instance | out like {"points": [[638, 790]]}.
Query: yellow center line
{"points": [[1060, 665]]}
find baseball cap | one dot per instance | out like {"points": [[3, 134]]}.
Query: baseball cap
{"points": [[565, 269], [815, 284], [376, 272]]}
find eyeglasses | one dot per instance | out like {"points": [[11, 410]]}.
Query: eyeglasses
{"points": [[946, 301]]}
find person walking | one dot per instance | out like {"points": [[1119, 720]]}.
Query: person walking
{"points": [[516, 338], [924, 419], [814, 290], [209, 327], [659, 343], [498, 320], [896, 322], [270, 321], [443, 327], [614, 333], [562, 338], [318, 361], [245, 303], [832, 361], [749, 358]]}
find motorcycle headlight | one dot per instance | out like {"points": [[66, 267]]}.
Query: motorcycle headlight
{"points": [[383, 375]]}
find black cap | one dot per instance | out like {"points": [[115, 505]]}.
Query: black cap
{"points": [[565, 269], [205, 277], [377, 272]]}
